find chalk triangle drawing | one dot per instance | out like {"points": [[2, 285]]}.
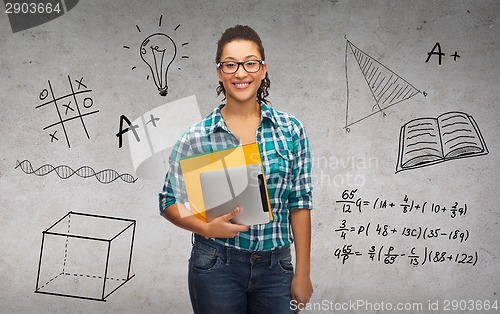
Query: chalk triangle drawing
{"points": [[386, 87]]}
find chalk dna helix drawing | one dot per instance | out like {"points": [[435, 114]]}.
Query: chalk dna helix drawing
{"points": [[64, 172]]}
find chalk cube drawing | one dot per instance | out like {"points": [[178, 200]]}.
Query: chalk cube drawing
{"points": [[85, 256]]}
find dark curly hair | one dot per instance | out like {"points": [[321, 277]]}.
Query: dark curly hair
{"points": [[243, 32]]}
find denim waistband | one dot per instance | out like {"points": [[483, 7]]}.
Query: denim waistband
{"points": [[230, 253]]}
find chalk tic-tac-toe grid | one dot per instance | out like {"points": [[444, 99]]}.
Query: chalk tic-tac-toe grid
{"points": [[72, 107]]}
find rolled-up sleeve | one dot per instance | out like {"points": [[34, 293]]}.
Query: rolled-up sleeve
{"points": [[300, 195], [173, 190]]}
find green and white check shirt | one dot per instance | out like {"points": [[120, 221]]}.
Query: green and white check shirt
{"points": [[286, 159]]}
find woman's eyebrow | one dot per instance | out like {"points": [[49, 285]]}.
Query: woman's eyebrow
{"points": [[246, 58], [250, 56]]}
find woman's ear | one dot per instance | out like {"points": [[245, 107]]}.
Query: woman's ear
{"points": [[264, 71], [219, 73]]}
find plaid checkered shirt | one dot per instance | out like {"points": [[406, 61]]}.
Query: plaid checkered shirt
{"points": [[286, 159]]}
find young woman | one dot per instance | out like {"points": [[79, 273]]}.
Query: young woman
{"points": [[247, 269]]}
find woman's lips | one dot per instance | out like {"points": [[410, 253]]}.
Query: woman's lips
{"points": [[241, 85]]}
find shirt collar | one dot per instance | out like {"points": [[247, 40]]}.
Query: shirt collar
{"points": [[218, 120]]}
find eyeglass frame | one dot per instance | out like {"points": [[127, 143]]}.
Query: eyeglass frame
{"points": [[242, 63]]}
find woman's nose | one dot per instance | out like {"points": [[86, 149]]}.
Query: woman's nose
{"points": [[241, 72]]}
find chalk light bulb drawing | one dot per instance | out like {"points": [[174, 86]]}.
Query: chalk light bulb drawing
{"points": [[158, 51]]}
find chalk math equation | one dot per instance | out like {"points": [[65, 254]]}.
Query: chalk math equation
{"points": [[402, 231], [389, 255], [406, 205], [418, 232]]}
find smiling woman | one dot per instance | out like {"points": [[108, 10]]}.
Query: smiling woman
{"points": [[248, 35], [236, 268], [240, 84]]}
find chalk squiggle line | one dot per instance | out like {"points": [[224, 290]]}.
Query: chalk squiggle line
{"points": [[104, 176]]}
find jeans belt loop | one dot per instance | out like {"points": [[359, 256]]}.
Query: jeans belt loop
{"points": [[228, 256], [272, 260]]}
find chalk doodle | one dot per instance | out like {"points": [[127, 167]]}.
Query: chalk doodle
{"points": [[85, 256], [427, 141], [386, 87], [431, 236], [69, 103], [440, 54], [64, 172], [158, 51]]}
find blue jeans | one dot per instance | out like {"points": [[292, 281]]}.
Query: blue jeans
{"points": [[225, 280]]}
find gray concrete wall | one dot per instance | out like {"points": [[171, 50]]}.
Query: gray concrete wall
{"points": [[311, 54]]}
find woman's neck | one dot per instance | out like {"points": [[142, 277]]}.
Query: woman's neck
{"points": [[241, 110]]}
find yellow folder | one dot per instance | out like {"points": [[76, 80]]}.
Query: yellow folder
{"points": [[193, 166]]}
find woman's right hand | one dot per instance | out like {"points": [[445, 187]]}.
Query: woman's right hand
{"points": [[222, 227]]}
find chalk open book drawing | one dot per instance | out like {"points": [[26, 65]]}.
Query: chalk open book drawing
{"points": [[427, 141]]}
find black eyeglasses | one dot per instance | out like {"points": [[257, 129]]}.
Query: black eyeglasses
{"points": [[230, 67]]}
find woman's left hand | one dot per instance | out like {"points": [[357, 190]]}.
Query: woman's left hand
{"points": [[301, 290]]}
